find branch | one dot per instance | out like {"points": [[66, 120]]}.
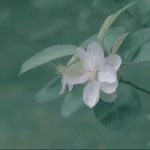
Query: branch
{"points": [[137, 87], [132, 16]]}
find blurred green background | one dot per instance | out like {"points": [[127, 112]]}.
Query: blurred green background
{"points": [[27, 27]]}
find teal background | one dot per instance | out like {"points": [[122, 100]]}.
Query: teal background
{"points": [[27, 27]]}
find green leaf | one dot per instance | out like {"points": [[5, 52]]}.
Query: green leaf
{"points": [[110, 37], [142, 15], [109, 20], [138, 74], [118, 43], [143, 54], [50, 91], [121, 113], [133, 43], [47, 55], [73, 101]]}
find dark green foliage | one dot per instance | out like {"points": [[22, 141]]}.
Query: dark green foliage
{"points": [[121, 113]]}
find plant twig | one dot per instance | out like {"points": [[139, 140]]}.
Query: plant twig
{"points": [[135, 86], [132, 16]]}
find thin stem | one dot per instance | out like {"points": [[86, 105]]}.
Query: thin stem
{"points": [[137, 87], [122, 69], [132, 16]]}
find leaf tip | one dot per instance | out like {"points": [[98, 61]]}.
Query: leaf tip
{"points": [[133, 2], [21, 72], [65, 115], [130, 4], [36, 97]]}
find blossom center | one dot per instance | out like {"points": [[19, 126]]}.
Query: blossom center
{"points": [[60, 69], [90, 76]]}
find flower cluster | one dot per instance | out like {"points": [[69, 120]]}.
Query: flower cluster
{"points": [[97, 72]]}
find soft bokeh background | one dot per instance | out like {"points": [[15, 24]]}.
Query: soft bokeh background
{"points": [[27, 27]]}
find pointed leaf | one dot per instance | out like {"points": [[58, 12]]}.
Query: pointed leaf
{"points": [[50, 91], [138, 74], [118, 43], [142, 15], [143, 54], [110, 37], [122, 112], [73, 101], [109, 20], [47, 55], [133, 43]]}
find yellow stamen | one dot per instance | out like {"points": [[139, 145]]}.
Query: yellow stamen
{"points": [[90, 76], [60, 69]]}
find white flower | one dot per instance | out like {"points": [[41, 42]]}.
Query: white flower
{"points": [[64, 86], [99, 74], [60, 69]]}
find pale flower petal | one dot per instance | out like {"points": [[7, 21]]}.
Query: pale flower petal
{"points": [[108, 97], [70, 86], [75, 74], [64, 85], [86, 59], [97, 55], [107, 74], [76, 78], [109, 87], [91, 93], [73, 60], [114, 61]]}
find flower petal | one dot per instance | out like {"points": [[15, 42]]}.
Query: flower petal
{"points": [[75, 74], [70, 86], [114, 61], [96, 53], [86, 59], [109, 87], [91, 93], [108, 97], [64, 85], [73, 60], [75, 79], [107, 74]]}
